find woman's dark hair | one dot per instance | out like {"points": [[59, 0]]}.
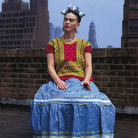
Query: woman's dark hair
{"points": [[78, 17]]}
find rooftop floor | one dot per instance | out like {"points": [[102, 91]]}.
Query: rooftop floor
{"points": [[16, 124]]}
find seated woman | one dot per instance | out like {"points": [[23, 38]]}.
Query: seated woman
{"points": [[70, 105]]}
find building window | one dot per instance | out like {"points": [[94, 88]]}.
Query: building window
{"points": [[18, 43], [133, 26], [136, 30], [134, 5], [132, 1], [5, 8]]}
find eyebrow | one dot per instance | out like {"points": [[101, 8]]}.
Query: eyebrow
{"points": [[69, 18]]}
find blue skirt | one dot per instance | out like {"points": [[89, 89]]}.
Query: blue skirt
{"points": [[71, 113]]}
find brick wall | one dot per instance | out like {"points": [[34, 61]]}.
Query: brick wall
{"points": [[115, 72]]}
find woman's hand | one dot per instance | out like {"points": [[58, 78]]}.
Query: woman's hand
{"points": [[51, 70], [87, 85], [88, 70], [61, 85]]}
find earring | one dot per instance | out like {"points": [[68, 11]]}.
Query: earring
{"points": [[76, 31]]}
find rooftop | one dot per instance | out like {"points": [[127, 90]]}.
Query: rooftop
{"points": [[15, 123]]}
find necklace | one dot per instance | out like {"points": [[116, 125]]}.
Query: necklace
{"points": [[68, 40]]}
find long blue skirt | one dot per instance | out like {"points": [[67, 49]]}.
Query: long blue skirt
{"points": [[71, 113]]}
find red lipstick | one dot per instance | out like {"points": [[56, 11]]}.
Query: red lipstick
{"points": [[67, 27]]}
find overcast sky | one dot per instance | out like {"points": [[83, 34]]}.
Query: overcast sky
{"points": [[106, 14]]}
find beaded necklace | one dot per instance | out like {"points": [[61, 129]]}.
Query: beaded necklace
{"points": [[68, 40]]}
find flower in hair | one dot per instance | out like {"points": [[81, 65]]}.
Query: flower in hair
{"points": [[73, 9]]}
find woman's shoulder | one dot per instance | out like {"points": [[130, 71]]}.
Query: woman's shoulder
{"points": [[83, 41], [54, 40]]}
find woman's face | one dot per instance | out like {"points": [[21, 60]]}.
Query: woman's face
{"points": [[70, 23]]}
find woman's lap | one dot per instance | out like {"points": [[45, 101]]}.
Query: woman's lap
{"points": [[74, 112]]}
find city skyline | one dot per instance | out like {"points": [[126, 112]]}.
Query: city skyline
{"points": [[107, 16], [21, 27]]}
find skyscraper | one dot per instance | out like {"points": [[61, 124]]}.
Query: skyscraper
{"points": [[21, 27], [54, 31], [51, 31], [130, 24], [58, 31], [92, 35]]}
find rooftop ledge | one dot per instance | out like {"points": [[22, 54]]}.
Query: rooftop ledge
{"points": [[101, 52]]}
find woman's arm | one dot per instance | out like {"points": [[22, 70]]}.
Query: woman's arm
{"points": [[88, 69], [51, 70]]}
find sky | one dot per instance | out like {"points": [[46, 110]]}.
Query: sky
{"points": [[107, 16]]}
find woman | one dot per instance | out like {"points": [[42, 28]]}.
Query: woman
{"points": [[70, 105]]}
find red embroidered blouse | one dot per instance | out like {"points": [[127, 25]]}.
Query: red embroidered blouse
{"points": [[69, 57]]}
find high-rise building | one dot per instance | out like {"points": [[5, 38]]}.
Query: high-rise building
{"points": [[92, 35], [54, 31], [130, 24], [51, 31], [21, 27], [58, 31]]}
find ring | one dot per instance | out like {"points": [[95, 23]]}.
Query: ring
{"points": [[88, 86]]}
